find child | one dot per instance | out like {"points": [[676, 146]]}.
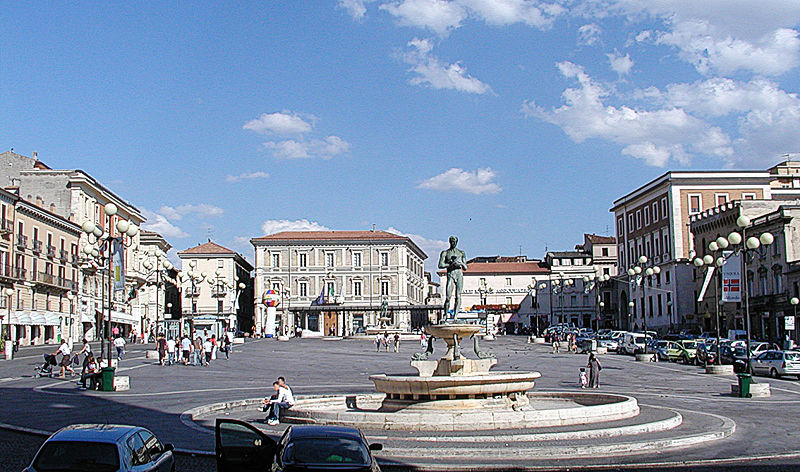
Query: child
{"points": [[583, 378]]}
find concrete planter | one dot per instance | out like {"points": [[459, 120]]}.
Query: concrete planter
{"points": [[756, 390], [601, 350], [645, 357], [719, 369]]}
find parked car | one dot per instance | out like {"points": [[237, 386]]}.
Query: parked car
{"points": [[610, 344], [632, 343], [705, 353], [756, 348], [102, 447], [776, 363], [736, 356], [240, 447]]}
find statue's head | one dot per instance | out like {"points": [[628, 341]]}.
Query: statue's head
{"points": [[453, 241]]}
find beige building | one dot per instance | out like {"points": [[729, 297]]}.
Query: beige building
{"points": [[334, 282], [156, 298], [216, 288], [653, 221], [38, 252], [77, 197]]}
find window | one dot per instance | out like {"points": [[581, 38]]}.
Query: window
{"points": [[482, 281], [606, 271], [604, 251], [357, 288], [664, 207], [620, 226], [573, 300], [139, 453], [721, 198], [330, 289], [328, 259], [630, 223], [219, 306], [566, 262], [509, 301], [578, 262], [748, 196], [356, 259], [276, 260], [508, 281], [555, 262], [778, 283], [276, 286], [384, 287], [666, 276], [694, 204], [646, 216], [384, 259], [303, 289], [638, 219], [302, 260], [655, 212], [220, 263]]}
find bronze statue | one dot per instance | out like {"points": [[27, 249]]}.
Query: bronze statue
{"points": [[455, 261]]}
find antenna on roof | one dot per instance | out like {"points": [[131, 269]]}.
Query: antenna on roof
{"points": [[373, 227]]}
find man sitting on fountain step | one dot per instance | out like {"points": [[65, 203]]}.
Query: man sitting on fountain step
{"points": [[285, 400]]}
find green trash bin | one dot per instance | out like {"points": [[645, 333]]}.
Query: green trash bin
{"points": [[108, 379], [744, 385]]}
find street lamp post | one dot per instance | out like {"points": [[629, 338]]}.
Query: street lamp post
{"points": [[644, 275], [194, 278], [9, 345], [157, 262], [631, 305], [534, 303], [102, 248], [794, 301]]}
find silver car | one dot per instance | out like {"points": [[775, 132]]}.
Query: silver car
{"points": [[777, 363], [103, 448]]}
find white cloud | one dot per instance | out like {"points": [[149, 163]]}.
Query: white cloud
{"points": [[356, 8], [655, 136], [440, 16], [478, 182], [247, 176], [281, 123], [277, 226], [161, 225], [589, 34], [620, 64], [437, 75], [200, 210], [431, 247], [443, 16], [325, 148]]}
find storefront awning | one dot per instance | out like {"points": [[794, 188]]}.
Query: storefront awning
{"points": [[54, 318], [506, 317], [38, 318], [20, 318]]}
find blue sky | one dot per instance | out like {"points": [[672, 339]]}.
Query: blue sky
{"points": [[511, 123]]}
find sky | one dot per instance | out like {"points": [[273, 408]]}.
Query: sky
{"points": [[513, 124]]}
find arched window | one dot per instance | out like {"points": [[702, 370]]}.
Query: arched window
{"points": [[777, 277]]}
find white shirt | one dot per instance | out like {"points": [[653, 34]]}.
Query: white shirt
{"points": [[285, 395], [207, 346], [64, 349], [186, 345], [119, 342], [170, 345]]}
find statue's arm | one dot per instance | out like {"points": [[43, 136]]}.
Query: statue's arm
{"points": [[463, 260], [442, 263]]}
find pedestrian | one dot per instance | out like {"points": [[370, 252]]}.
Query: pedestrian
{"points": [[92, 373], [594, 371], [186, 349], [396, 342], [226, 347], [423, 343], [171, 345], [66, 360], [197, 359], [386, 341], [285, 400], [87, 350], [115, 331], [119, 343], [208, 349], [584, 381], [132, 337], [555, 344], [161, 347], [378, 340], [213, 347]]}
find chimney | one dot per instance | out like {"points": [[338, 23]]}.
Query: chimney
{"points": [[35, 156]]}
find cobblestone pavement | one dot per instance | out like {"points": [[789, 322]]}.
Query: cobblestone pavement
{"points": [[765, 428]]}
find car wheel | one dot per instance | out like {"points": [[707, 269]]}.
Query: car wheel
{"points": [[774, 373], [685, 360]]}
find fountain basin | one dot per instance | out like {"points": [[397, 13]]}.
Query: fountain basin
{"points": [[400, 387]]}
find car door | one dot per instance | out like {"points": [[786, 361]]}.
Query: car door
{"points": [[140, 456], [760, 363], [240, 447], [161, 459]]}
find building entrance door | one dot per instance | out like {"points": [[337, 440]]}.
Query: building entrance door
{"points": [[330, 324]]}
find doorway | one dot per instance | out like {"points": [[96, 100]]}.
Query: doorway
{"points": [[330, 324]]}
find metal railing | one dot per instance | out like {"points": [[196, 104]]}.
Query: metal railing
{"points": [[55, 281], [11, 272], [51, 251], [63, 255], [6, 226], [22, 241], [37, 246]]}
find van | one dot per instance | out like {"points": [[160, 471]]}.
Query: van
{"points": [[632, 343]]}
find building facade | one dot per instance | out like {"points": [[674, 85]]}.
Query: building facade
{"points": [[156, 298], [653, 221], [341, 282], [216, 289], [38, 252]]}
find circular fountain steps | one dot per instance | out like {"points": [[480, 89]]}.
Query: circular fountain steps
{"points": [[655, 430]]}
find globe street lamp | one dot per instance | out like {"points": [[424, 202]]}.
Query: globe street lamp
{"points": [[156, 262], [101, 249], [9, 345], [794, 301], [194, 278], [631, 306], [717, 262]]}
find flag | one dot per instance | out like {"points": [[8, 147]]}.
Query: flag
{"points": [[118, 265], [709, 275], [321, 298]]}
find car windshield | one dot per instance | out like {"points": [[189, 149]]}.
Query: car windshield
{"points": [[326, 451], [689, 344], [792, 356], [78, 456]]}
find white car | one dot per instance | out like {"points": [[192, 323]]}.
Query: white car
{"points": [[756, 348], [632, 343], [776, 363]]}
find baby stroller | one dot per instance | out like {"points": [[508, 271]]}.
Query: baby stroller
{"points": [[46, 369]]}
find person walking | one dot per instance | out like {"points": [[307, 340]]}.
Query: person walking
{"points": [[171, 348], [208, 349], [186, 349], [378, 340], [66, 360], [386, 341], [161, 347], [87, 350], [119, 343], [594, 371], [197, 359], [396, 342], [226, 347], [555, 343]]}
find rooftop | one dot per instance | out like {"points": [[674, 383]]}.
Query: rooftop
{"points": [[208, 248], [329, 235], [597, 239], [532, 267]]}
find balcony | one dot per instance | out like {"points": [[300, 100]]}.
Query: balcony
{"points": [[193, 293], [6, 226], [22, 241], [64, 256], [10, 272], [51, 251], [75, 258], [37, 247], [51, 280]]}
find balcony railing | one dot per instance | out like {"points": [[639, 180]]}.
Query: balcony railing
{"points": [[75, 258], [37, 246], [207, 310], [10, 272], [51, 251], [22, 241], [55, 281], [193, 293], [218, 292], [6, 226], [63, 255]]}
